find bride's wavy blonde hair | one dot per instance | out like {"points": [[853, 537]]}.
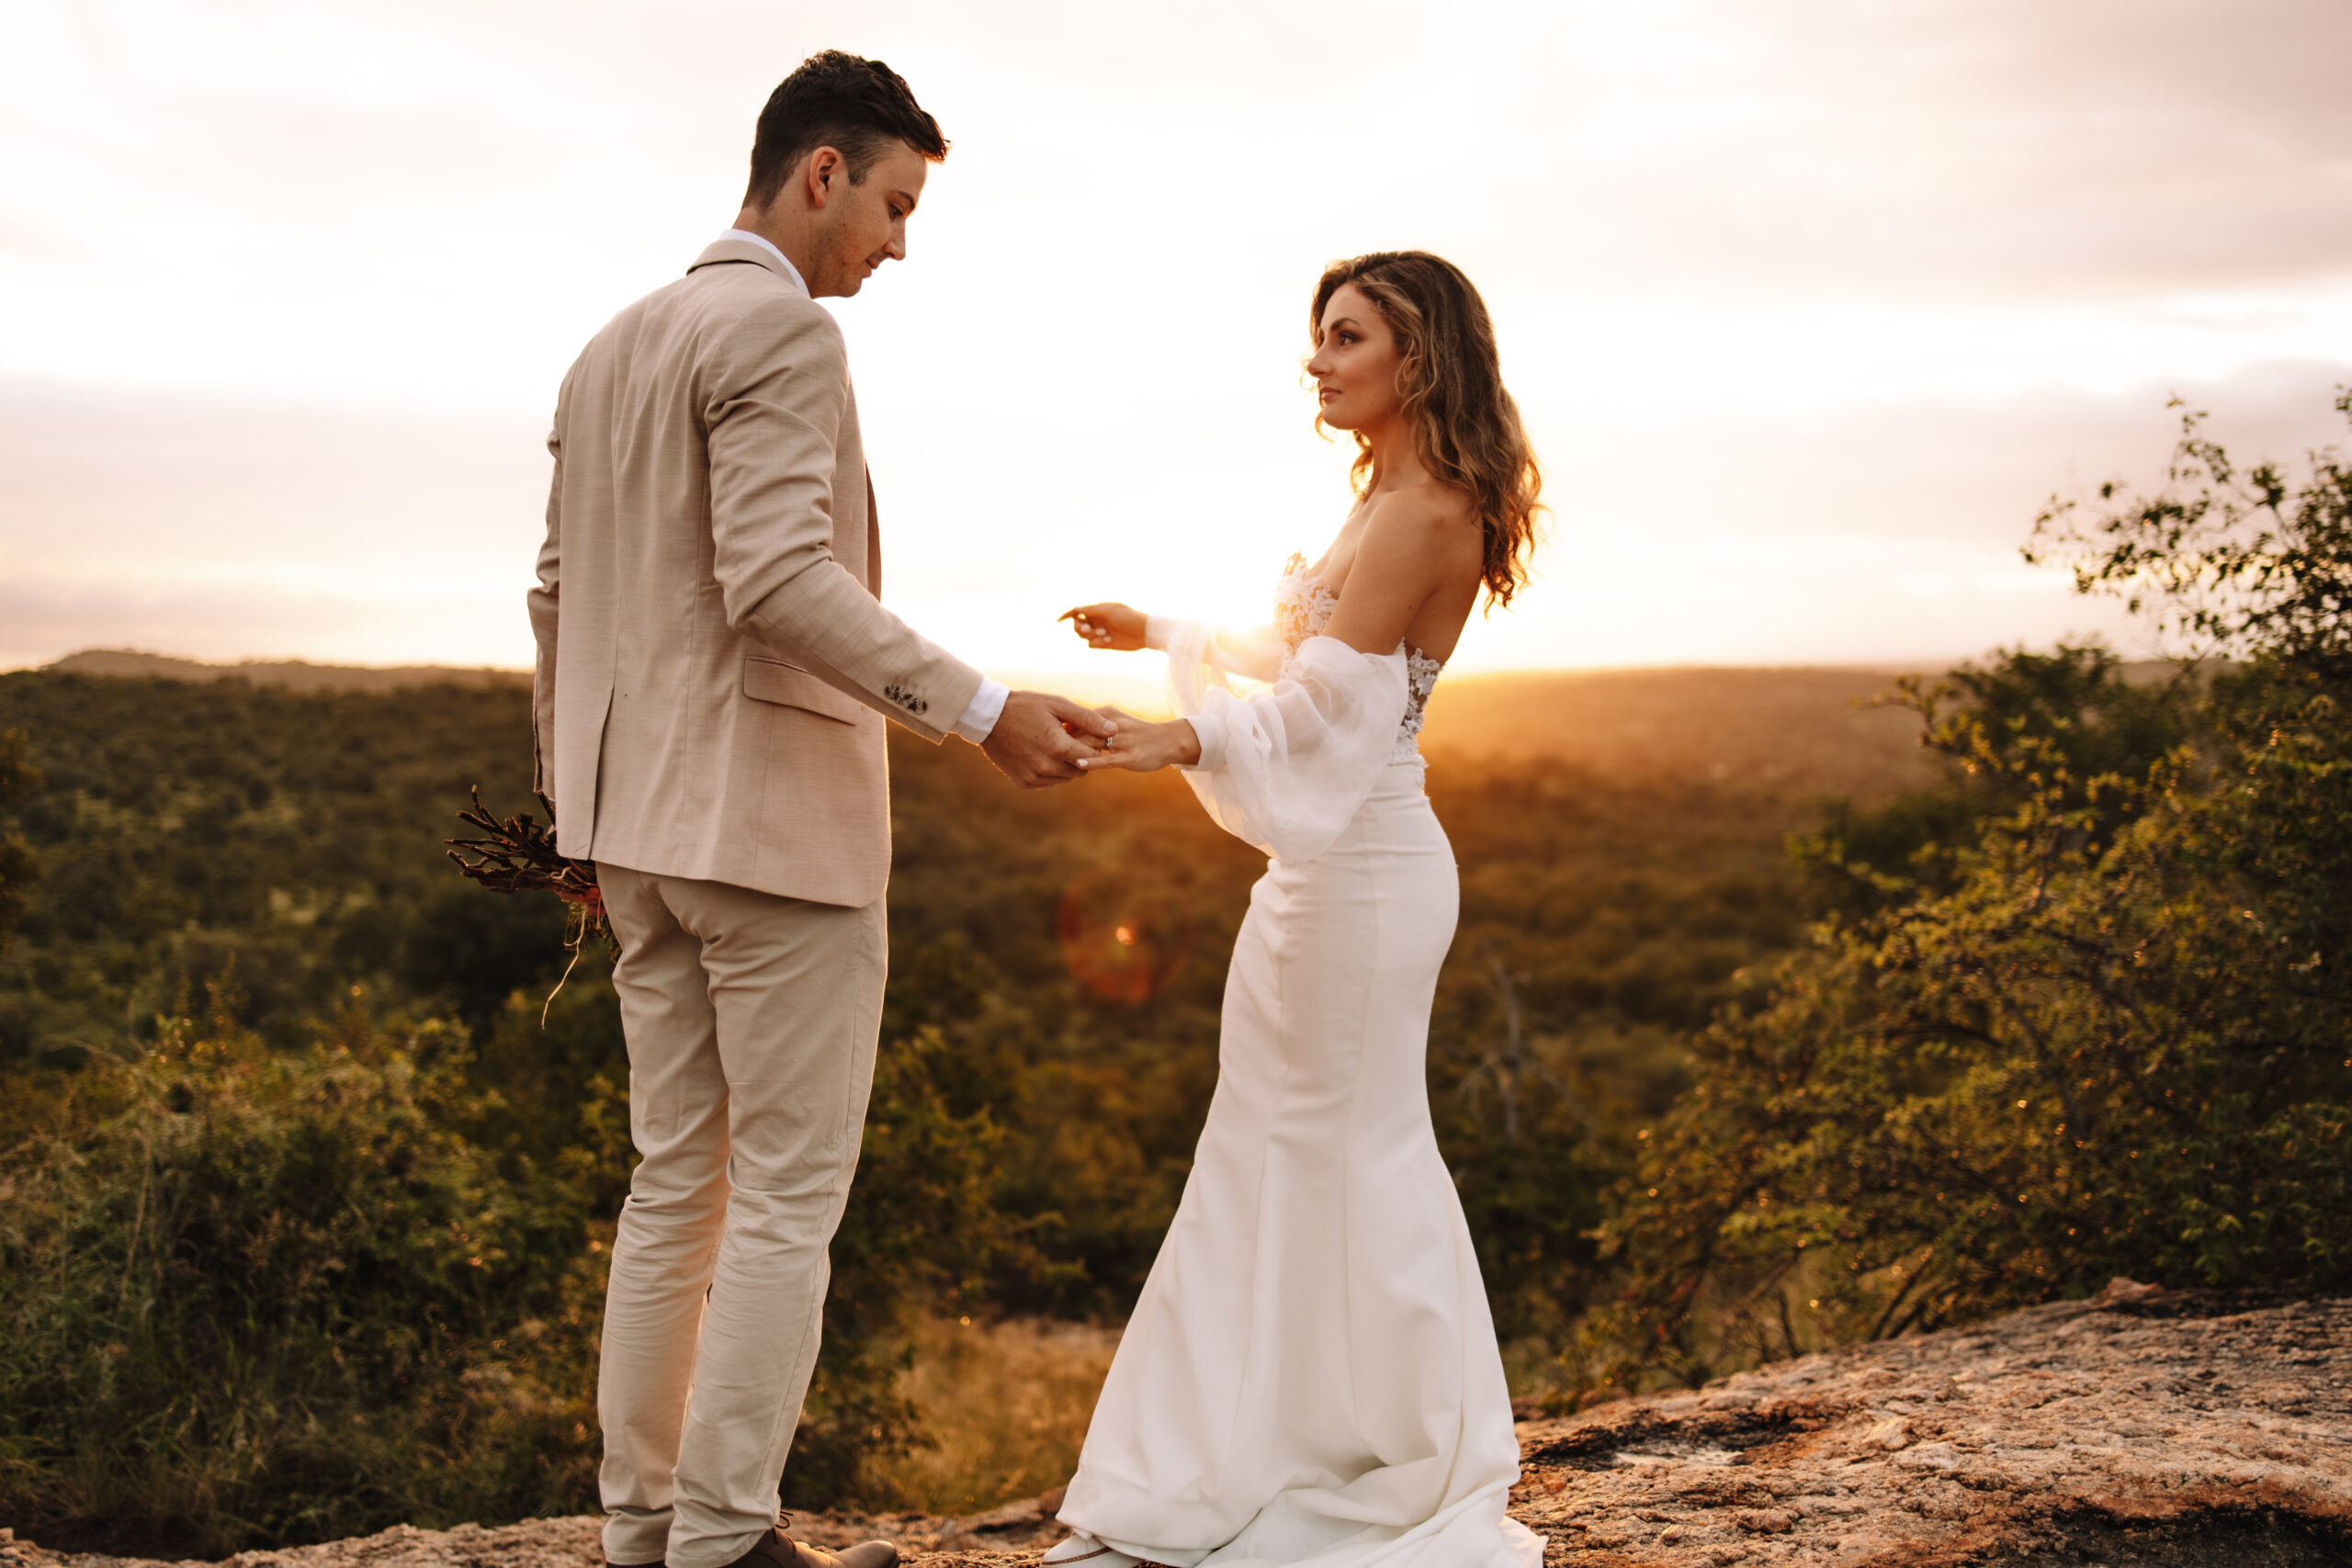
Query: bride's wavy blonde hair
{"points": [[1466, 427]]}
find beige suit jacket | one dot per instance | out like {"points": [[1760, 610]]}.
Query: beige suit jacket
{"points": [[714, 665]]}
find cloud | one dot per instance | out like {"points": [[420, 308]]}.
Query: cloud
{"points": [[431, 202], [1809, 306], [2009, 148]]}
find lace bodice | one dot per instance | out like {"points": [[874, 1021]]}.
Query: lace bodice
{"points": [[1302, 608]]}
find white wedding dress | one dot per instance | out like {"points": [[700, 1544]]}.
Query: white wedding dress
{"points": [[1310, 1376]]}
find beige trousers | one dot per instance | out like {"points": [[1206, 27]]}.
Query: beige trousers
{"points": [[750, 1022]]}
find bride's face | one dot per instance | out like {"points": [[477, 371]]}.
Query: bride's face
{"points": [[1355, 368]]}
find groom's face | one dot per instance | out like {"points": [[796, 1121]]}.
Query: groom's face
{"points": [[862, 225]]}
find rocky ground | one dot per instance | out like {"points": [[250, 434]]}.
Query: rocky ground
{"points": [[2143, 1429]]}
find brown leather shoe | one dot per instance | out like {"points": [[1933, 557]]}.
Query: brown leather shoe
{"points": [[777, 1550]]}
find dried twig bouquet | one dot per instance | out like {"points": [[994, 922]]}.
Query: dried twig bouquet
{"points": [[516, 855]]}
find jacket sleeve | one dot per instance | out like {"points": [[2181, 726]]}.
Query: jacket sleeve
{"points": [[544, 600], [775, 396]]}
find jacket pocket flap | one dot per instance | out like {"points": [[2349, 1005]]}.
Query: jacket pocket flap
{"points": [[773, 680]]}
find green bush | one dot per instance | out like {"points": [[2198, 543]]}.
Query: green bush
{"points": [[2103, 1032], [252, 1297], [17, 867], [185, 828]]}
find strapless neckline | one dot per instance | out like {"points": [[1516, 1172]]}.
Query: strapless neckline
{"points": [[1303, 607]]}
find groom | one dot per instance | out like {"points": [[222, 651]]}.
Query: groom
{"points": [[714, 669]]}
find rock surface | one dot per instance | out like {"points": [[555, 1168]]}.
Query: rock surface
{"points": [[2142, 1427], [2142, 1430]]}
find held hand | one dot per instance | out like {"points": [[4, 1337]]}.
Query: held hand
{"points": [[1040, 739], [1142, 747], [1112, 626]]}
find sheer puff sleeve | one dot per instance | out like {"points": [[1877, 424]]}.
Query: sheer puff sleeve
{"points": [[1288, 767]]}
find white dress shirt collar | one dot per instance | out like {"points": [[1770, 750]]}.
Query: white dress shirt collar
{"points": [[768, 245]]}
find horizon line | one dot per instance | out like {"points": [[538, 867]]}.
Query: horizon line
{"points": [[1888, 664]]}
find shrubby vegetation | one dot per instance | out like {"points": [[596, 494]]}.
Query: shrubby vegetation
{"points": [[240, 878], [2084, 1011], [261, 1293], [17, 867], [1602, 918], [304, 1209], [252, 1292], [185, 829]]}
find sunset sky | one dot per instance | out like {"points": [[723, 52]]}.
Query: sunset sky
{"points": [[1810, 306]]}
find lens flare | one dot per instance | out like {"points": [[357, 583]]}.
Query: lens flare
{"points": [[1120, 940]]}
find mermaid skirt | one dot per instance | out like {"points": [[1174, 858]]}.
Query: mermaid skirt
{"points": [[1311, 1376]]}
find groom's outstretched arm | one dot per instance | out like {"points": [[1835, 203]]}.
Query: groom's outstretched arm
{"points": [[776, 391]]}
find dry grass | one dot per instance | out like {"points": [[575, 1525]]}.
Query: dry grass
{"points": [[1008, 1403]]}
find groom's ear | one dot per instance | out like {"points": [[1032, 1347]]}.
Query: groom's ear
{"points": [[824, 176]]}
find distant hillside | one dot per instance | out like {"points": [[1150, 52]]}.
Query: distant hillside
{"points": [[1806, 731], [1810, 731], [295, 674]]}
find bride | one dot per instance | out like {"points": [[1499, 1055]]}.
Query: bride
{"points": [[1310, 1376]]}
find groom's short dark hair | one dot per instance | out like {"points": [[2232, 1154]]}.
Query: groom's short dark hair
{"points": [[854, 106]]}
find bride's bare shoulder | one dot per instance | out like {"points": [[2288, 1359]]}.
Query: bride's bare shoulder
{"points": [[1430, 522]]}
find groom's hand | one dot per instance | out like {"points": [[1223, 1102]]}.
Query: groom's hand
{"points": [[1039, 739]]}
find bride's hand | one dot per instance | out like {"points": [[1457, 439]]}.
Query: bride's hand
{"points": [[1112, 625], [1141, 746]]}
